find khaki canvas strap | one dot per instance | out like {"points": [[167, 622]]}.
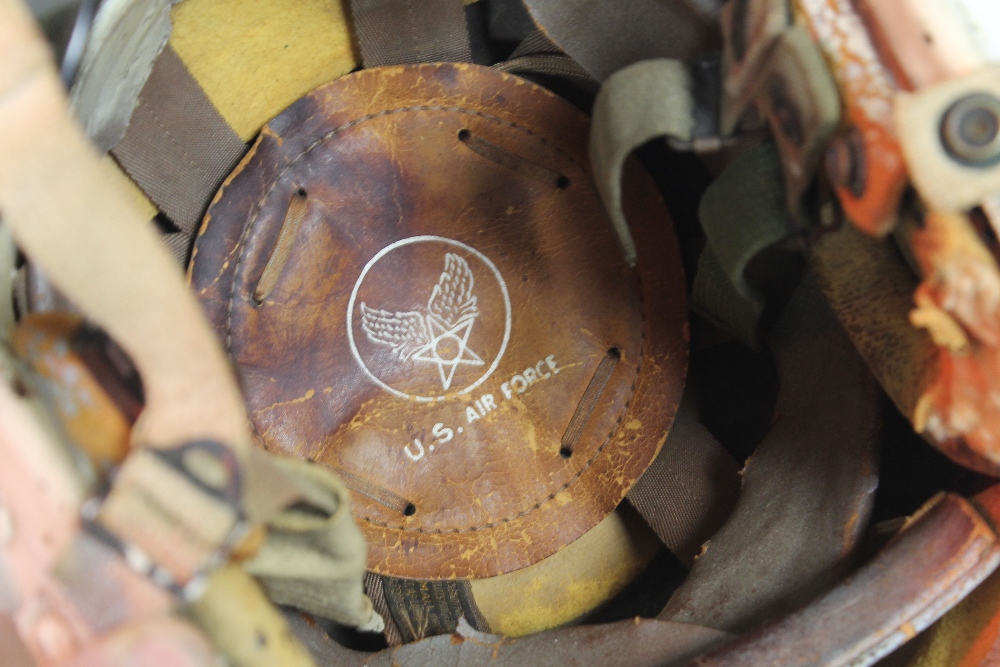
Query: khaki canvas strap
{"points": [[642, 102], [70, 215], [401, 32], [177, 147], [314, 556], [689, 490]]}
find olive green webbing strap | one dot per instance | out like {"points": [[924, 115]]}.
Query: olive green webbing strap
{"points": [[690, 489], [177, 148], [314, 556], [742, 213], [402, 32]]}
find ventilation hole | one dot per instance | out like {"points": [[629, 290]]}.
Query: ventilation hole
{"points": [[410, 509], [301, 192], [562, 182], [464, 135], [588, 403]]}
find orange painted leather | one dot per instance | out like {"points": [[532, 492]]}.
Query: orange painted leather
{"points": [[451, 290]]}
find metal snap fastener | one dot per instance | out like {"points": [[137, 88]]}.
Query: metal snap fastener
{"points": [[970, 130]]}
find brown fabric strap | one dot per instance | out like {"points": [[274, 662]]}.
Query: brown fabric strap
{"points": [[689, 490], [423, 608], [808, 489], [535, 43], [537, 54], [552, 64], [607, 35], [177, 147], [400, 32]]}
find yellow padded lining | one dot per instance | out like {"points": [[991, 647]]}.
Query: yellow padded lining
{"points": [[573, 581], [946, 642], [254, 58]]}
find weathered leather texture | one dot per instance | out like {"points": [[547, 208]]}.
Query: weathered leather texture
{"points": [[454, 330]]}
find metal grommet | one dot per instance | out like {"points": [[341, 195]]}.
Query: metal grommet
{"points": [[970, 130]]}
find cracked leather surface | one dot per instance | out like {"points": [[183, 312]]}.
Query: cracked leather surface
{"points": [[447, 301]]}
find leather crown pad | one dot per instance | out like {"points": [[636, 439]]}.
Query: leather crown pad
{"points": [[452, 329]]}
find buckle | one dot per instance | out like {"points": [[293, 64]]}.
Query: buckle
{"points": [[173, 515]]}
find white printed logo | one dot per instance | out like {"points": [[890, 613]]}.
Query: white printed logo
{"points": [[456, 335], [441, 336]]}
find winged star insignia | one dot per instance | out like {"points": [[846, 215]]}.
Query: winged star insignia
{"points": [[441, 335]]}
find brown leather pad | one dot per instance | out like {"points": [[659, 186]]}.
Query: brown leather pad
{"points": [[452, 327]]}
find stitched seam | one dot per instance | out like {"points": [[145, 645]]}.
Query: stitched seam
{"points": [[173, 140], [252, 220], [572, 480]]}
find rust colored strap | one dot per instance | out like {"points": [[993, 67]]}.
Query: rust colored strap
{"points": [[689, 490], [943, 554], [402, 32], [177, 147]]}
